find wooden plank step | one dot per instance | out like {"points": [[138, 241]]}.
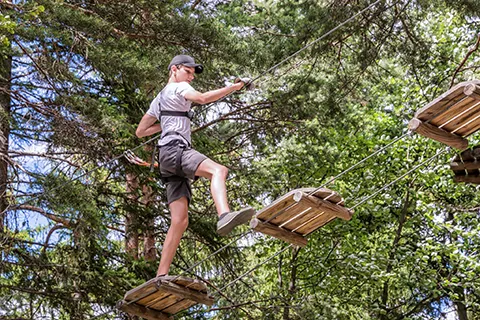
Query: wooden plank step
{"points": [[452, 116], [161, 297], [298, 213], [467, 179], [286, 200], [466, 166], [141, 311], [469, 127], [448, 99]]}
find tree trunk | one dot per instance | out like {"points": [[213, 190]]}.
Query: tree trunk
{"points": [[461, 308], [5, 76], [398, 235], [292, 285], [131, 224], [149, 249]]}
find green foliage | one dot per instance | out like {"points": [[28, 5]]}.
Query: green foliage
{"points": [[7, 26], [85, 73]]}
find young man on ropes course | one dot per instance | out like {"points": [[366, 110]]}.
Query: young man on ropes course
{"points": [[178, 162]]}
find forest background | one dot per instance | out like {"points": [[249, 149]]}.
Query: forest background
{"points": [[80, 225]]}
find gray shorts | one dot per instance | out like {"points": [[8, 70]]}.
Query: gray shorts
{"points": [[191, 159]]}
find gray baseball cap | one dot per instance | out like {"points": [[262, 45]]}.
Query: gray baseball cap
{"points": [[186, 61]]}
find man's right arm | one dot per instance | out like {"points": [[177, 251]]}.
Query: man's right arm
{"points": [[213, 95], [148, 126]]}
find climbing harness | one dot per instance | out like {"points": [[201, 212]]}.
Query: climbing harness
{"points": [[179, 143]]}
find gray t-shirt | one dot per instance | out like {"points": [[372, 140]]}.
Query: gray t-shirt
{"points": [[172, 98]]}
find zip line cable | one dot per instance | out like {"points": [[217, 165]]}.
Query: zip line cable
{"points": [[401, 177]]}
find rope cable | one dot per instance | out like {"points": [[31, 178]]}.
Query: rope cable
{"points": [[401, 177], [303, 49], [340, 174]]}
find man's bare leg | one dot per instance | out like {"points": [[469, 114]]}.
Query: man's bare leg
{"points": [[217, 174], [179, 223]]}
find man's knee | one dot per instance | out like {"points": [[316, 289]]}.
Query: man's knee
{"points": [[179, 214], [221, 171], [180, 223]]}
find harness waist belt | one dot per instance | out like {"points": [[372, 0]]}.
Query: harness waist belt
{"points": [[187, 114], [176, 141]]}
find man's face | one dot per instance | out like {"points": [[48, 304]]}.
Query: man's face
{"points": [[183, 73]]}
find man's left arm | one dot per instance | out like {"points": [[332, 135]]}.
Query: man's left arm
{"points": [[148, 126], [211, 96]]}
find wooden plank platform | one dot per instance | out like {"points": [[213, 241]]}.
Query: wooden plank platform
{"points": [[162, 297], [297, 214], [466, 166], [451, 117]]}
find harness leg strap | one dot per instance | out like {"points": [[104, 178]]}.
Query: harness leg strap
{"points": [[178, 161]]}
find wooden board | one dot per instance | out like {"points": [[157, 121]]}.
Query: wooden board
{"points": [[297, 213], [430, 131], [446, 101], [466, 166], [161, 297], [452, 116], [467, 179]]}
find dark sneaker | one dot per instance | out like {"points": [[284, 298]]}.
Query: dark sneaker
{"points": [[230, 220]]}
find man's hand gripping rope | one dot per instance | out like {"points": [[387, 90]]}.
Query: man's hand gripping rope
{"points": [[248, 83]]}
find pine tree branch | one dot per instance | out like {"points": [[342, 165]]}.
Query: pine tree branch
{"points": [[469, 53], [195, 4], [9, 5], [43, 155], [52, 230], [56, 294], [67, 223], [121, 32]]}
